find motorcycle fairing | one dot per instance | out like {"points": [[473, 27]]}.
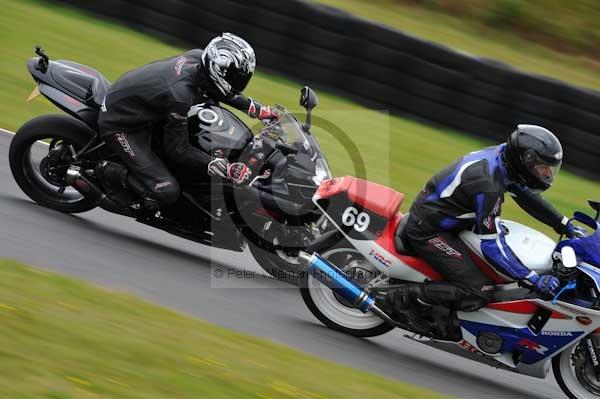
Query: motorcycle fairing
{"points": [[511, 318], [586, 248], [75, 88], [386, 241], [534, 348], [379, 199], [360, 209], [592, 272], [533, 248]]}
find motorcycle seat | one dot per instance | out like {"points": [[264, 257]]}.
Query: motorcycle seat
{"points": [[400, 243], [82, 82]]}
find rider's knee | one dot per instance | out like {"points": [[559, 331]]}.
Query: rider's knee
{"points": [[166, 191], [474, 299]]}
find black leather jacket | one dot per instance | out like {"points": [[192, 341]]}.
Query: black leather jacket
{"points": [[163, 92]]}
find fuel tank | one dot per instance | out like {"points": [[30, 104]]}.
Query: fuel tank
{"points": [[533, 248]]}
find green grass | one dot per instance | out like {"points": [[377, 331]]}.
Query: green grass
{"points": [[397, 152], [470, 36], [64, 339]]}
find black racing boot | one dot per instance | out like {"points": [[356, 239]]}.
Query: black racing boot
{"points": [[126, 189], [147, 206], [112, 176], [404, 300]]}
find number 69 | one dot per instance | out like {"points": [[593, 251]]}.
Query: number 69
{"points": [[360, 221]]}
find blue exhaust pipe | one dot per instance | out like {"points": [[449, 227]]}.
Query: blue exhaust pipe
{"points": [[335, 279]]}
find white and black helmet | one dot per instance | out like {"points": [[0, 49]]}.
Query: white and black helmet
{"points": [[230, 62]]}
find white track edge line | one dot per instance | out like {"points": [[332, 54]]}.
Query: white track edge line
{"points": [[13, 133]]}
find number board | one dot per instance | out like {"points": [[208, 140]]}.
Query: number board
{"points": [[356, 221]]}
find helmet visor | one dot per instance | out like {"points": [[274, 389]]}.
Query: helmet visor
{"points": [[547, 173], [544, 171], [238, 80]]}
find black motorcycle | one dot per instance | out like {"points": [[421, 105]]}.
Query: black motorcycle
{"points": [[272, 212]]}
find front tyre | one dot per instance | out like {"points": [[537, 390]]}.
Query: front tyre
{"points": [[276, 262], [39, 155], [332, 310], [575, 374]]}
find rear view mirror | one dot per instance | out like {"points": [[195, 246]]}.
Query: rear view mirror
{"points": [[308, 98], [595, 206], [569, 259]]}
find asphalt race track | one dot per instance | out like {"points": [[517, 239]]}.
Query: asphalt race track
{"points": [[119, 253]]}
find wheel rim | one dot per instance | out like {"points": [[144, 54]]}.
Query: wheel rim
{"points": [[334, 309], [35, 168], [578, 374]]}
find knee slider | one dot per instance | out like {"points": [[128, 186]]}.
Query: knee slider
{"points": [[166, 191]]}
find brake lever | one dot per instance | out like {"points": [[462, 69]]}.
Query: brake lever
{"points": [[570, 286]]}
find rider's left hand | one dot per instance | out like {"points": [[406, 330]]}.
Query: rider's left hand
{"points": [[545, 285]]}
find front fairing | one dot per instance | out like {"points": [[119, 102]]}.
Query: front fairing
{"points": [[586, 248], [308, 166]]}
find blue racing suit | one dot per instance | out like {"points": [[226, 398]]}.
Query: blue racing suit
{"points": [[468, 195]]}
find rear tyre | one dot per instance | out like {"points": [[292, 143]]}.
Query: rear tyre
{"points": [[331, 310], [40, 175]]}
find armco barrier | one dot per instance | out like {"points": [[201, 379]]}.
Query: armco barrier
{"points": [[380, 66]]}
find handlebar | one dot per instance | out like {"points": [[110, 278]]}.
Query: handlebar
{"points": [[286, 149]]}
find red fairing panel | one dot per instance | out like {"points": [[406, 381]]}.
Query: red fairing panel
{"points": [[379, 199], [522, 307], [386, 240]]}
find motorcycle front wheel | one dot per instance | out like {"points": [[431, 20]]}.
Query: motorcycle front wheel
{"points": [[276, 262], [575, 374]]}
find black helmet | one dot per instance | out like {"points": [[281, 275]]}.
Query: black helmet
{"points": [[533, 156], [229, 61]]}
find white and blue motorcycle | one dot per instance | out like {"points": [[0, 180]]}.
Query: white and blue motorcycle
{"points": [[363, 254]]}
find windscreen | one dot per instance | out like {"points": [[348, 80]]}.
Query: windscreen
{"points": [[289, 131]]}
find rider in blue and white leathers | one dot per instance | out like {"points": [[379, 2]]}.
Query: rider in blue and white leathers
{"points": [[468, 195]]}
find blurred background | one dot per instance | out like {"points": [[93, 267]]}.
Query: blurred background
{"points": [[453, 75], [415, 84]]}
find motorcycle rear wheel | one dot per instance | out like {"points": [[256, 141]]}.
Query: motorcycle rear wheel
{"points": [[28, 159], [330, 309]]}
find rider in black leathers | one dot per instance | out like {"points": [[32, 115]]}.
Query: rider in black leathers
{"points": [[468, 195], [162, 92]]}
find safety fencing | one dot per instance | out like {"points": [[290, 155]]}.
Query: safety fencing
{"points": [[380, 67]]}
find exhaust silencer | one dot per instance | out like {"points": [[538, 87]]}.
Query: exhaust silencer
{"points": [[88, 189], [335, 279]]}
